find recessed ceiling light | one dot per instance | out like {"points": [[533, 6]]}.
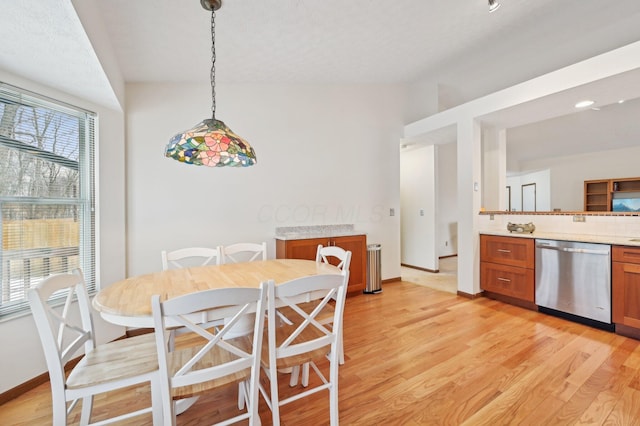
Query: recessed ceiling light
{"points": [[584, 104], [621, 101]]}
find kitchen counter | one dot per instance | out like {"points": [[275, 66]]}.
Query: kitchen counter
{"points": [[315, 231], [601, 239]]}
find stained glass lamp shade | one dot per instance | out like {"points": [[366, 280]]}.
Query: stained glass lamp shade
{"points": [[211, 143]]}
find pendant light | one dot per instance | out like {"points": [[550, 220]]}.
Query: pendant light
{"points": [[210, 142], [493, 5]]}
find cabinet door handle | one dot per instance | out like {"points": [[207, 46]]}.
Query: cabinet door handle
{"points": [[504, 279], [504, 251]]}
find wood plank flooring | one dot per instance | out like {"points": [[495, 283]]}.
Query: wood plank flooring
{"points": [[419, 356]]}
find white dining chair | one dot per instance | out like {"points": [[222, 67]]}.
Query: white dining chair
{"points": [[305, 339], [61, 310], [210, 358], [243, 252], [342, 259], [190, 256]]}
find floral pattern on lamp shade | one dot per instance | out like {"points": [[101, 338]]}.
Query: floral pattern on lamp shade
{"points": [[211, 143]]}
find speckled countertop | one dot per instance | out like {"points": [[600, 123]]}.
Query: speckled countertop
{"points": [[601, 239], [316, 231]]}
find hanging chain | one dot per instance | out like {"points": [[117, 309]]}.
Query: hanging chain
{"points": [[213, 63]]}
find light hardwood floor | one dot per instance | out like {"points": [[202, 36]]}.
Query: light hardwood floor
{"points": [[446, 279], [419, 356]]}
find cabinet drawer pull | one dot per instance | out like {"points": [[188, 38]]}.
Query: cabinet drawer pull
{"points": [[504, 279], [504, 251]]}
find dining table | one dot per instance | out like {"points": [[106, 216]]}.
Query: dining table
{"points": [[128, 302]]}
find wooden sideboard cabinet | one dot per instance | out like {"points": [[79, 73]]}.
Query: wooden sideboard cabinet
{"points": [[507, 268], [625, 284], [307, 248]]}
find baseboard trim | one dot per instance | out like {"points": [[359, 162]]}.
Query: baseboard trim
{"points": [[449, 255], [38, 380], [435, 271], [510, 300], [23, 388], [469, 295], [625, 330], [391, 280], [33, 383]]}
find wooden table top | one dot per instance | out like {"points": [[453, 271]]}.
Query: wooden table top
{"points": [[128, 302]]}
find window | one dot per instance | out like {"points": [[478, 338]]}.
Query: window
{"points": [[47, 215]]}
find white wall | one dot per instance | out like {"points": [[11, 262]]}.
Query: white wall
{"points": [[542, 180], [326, 155], [22, 356], [418, 199], [569, 173], [447, 201], [494, 169]]}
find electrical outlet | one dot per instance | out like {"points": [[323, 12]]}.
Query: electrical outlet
{"points": [[491, 217], [579, 218], [446, 243], [392, 212], [421, 212]]}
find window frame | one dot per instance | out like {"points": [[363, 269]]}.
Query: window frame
{"points": [[85, 199]]}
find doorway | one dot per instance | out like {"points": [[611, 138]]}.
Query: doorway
{"points": [[429, 220]]}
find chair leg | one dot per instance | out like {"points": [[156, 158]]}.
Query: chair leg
{"points": [[305, 374], [241, 395], [87, 406], [275, 405], [252, 398], [341, 347], [295, 372], [156, 402], [333, 394], [59, 406]]}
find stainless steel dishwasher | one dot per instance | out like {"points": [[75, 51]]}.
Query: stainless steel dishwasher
{"points": [[574, 280]]}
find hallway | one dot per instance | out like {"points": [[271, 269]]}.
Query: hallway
{"points": [[445, 280]]}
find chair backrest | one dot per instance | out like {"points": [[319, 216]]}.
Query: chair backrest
{"points": [[215, 357], [244, 252], [305, 334], [64, 327], [324, 254], [191, 256]]}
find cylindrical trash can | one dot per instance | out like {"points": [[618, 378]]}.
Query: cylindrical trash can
{"points": [[374, 280]]}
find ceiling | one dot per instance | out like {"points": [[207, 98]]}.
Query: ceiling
{"points": [[454, 43], [304, 41]]}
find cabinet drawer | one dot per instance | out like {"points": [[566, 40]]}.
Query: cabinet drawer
{"points": [[625, 254], [512, 251], [508, 280]]}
